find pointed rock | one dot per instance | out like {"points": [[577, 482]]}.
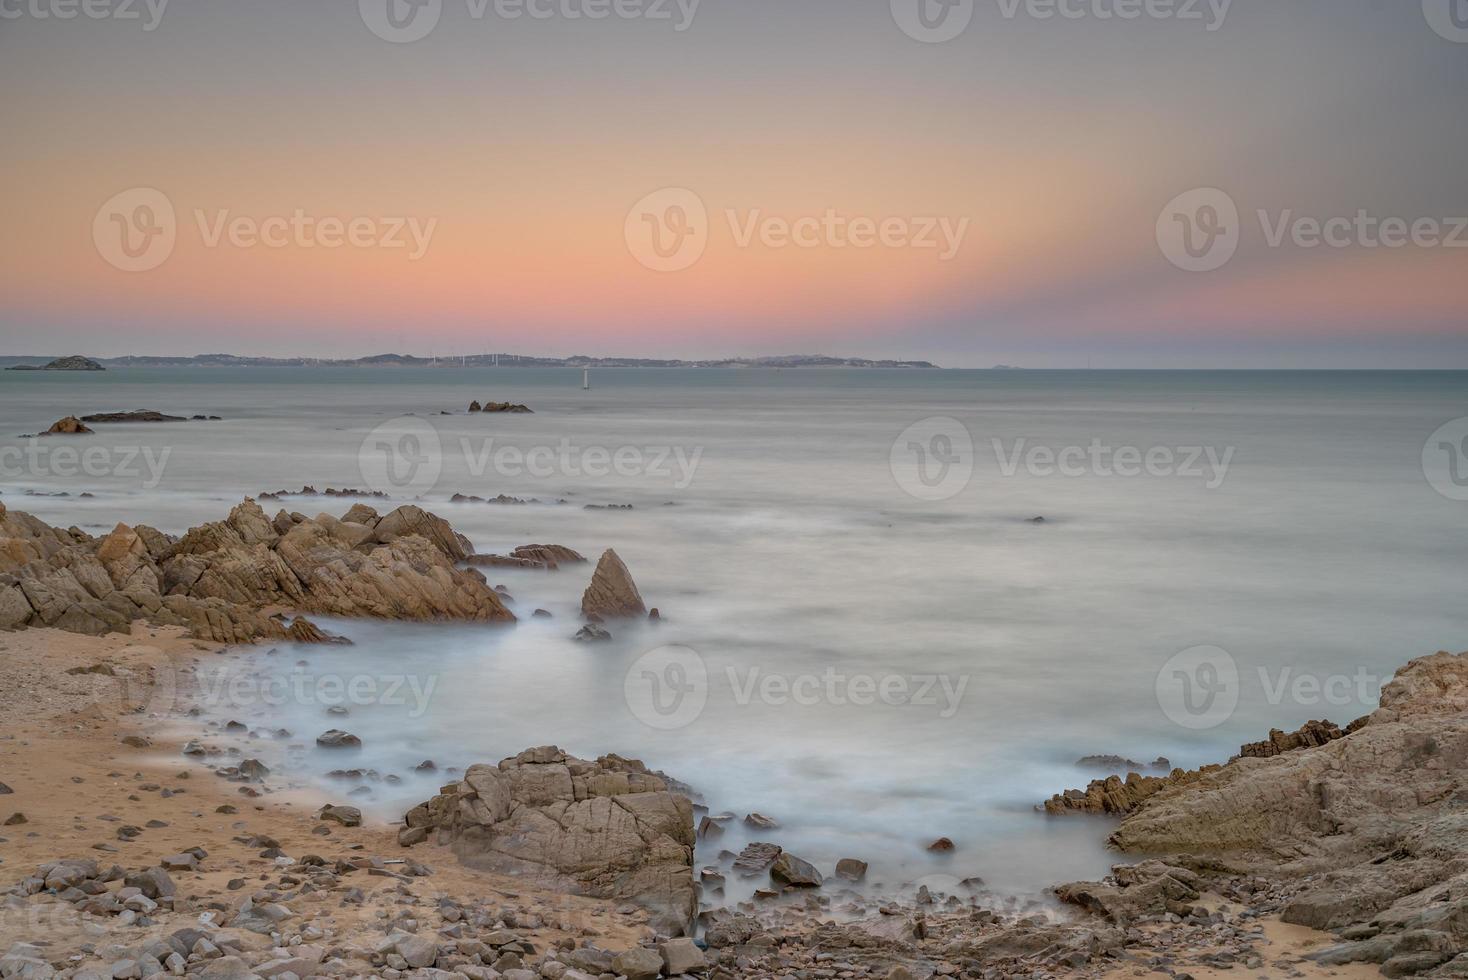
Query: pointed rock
{"points": [[612, 593]]}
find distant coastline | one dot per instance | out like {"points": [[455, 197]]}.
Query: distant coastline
{"points": [[481, 360]]}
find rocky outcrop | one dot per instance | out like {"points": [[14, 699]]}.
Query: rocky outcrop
{"points": [[612, 594], [1137, 891], [224, 579], [1308, 736], [1114, 795], [69, 426], [548, 557], [74, 362], [608, 829], [1368, 830], [1120, 764], [141, 415]]}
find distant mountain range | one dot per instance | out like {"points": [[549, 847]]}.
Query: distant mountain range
{"points": [[480, 360]]}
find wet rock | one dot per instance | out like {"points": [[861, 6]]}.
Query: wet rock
{"points": [[756, 859], [69, 426], [791, 870], [336, 739], [612, 594]]}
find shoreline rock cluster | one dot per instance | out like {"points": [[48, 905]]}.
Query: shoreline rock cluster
{"points": [[507, 407], [1364, 830], [224, 579]]}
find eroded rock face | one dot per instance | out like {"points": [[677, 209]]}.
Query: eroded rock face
{"points": [[219, 578], [1308, 736], [612, 594], [1372, 826], [1114, 795], [608, 829]]}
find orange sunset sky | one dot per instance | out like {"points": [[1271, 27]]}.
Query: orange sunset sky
{"points": [[525, 142]]}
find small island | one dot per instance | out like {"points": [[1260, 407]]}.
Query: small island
{"points": [[73, 363]]}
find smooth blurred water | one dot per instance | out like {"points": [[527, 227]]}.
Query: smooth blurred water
{"points": [[1325, 553]]}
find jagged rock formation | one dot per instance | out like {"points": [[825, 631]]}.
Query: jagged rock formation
{"points": [[1308, 736], [1114, 795], [609, 828], [141, 415], [612, 594], [1371, 828], [549, 557], [220, 578]]}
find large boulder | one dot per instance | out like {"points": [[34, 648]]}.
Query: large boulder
{"points": [[69, 426], [608, 829], [612, 594]]}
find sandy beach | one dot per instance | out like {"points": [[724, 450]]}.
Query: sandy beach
{"points": [[91, 752]]}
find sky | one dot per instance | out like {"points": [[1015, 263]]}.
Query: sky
{"points": [[1044, 183]]}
